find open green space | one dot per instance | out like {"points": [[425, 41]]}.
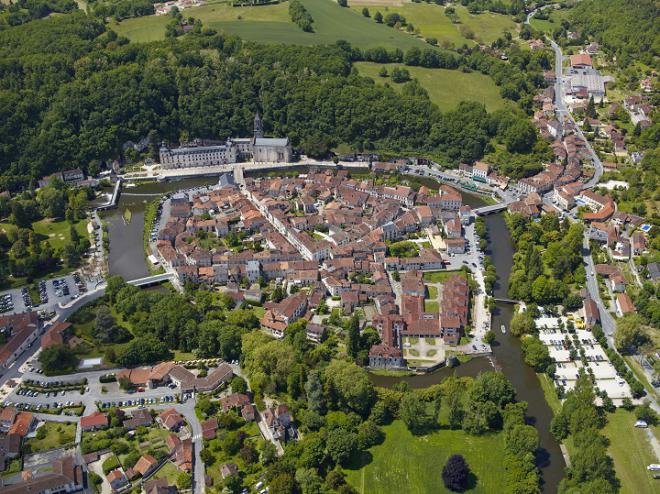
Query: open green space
{"points": [[433, 291], [431, 306], [56, 232], [55, 435], [553, 22], [446, 88], [168, 471], [631, 452], [404, 463], [441, 276], [271, 24], [430, 21]]}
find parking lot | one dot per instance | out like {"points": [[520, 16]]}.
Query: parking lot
{"points": [[51, 293]]}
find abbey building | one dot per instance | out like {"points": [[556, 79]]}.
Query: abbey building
{"points": [[200, 153]]}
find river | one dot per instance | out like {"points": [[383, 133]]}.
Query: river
{"points": [[507, 358], [126, 258]]}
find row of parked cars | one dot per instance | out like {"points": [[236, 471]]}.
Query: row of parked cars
{"points": [[27, 300], [43, 293], [137, 402], [35, 407], [6, 302], [82, 288]]}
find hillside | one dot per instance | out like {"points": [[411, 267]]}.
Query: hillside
{"points": [[271, 24]]}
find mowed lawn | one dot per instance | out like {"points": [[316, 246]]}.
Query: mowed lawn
{"points": [[57, 435], [271, 24], [56, 232], [446, 88], [407, 464], [631, 452], [432, 22]]}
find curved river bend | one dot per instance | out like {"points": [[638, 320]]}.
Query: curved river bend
{"points": [[126, 258]]}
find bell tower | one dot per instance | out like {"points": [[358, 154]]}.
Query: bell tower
{"points": [[258, 126]]}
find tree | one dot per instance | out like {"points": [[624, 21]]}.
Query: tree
{"points": [[412, 410], [343, 3], [369, 434], [353, 336], [238, 385], [184, 480], [522, 439], [520, 137], [341, 445], [536, 354], [647, 414], [105, 327], [480, 417], [57, 358], [489, 337], [591, 108], [378, 17], [365, 12], [629, 333], [522, 323], [350, 386], [314, 392], [455, 474]]}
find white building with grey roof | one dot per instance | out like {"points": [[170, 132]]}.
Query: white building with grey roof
{"points": [[200, 153]]}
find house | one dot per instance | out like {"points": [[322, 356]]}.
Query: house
{"points": [[278, 316], [591, 314], [58, 334], [18, 331], [617, 283], [23, 424], [158, 486], [455, 245], [117, 479], [624, 305], [94, 422], [209, 428], [139, 418], [386, 357], [315, 332], [653, 269], [145, 465], [171, 420], [480, 171], [248, 412], [228, 469], [581, 61], [181, 451], [234, 400], [7, 417]]}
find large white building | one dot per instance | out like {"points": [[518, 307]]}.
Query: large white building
{"points": [[206, 153]]}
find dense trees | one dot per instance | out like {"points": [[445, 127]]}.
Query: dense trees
{"points": [[630, 333], [627, 30], [57, 358], [300, 16], [580, 419], [544, 247], [92, 92]]}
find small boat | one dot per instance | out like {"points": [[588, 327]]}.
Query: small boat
{"points": [[503, 328]]}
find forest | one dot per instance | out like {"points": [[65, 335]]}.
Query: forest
{"points": [[627, 30], [72, 92]]}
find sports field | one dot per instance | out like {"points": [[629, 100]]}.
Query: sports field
{"points": [[271, 24], [631, 452], [408, 464], [446, 88], [432, 22]]}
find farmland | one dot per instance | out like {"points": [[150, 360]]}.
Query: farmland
{"points": [[271, 24], [442, 85], [432, 22]]}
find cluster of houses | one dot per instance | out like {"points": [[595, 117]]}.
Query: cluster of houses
{"points": [[64, 475], [169, 372], [324, 232], [166, 7]]}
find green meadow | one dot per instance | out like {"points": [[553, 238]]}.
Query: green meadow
{"points": [[446, 88], [408, 464], [271, 24], [432, 22]]}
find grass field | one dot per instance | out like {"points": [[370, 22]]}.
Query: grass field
{"points": [[431, 306], [55, 231], [631, 452], [446, 88], [57, 434], [441, 276], [549, 25], [408, 464], [432, 22], [271, 24]]}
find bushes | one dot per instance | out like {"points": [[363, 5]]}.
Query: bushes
{"points": [[300, 16]]}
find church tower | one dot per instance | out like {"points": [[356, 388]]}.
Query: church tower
{"points": [[258, 126]]}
